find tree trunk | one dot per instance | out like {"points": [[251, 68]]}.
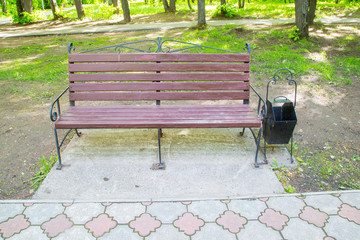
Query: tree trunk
{"points": [[3, 6], [301, 17], [172, 5], [166, 6], [188, 1], [19, 9], [201, 13], [126, 10], [79, 9], [27, 5], [223, 2], [116, 6], [241, 4], [312, 9], [54, 8]]}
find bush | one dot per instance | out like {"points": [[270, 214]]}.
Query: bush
{"points": [[27, 17], [226, 10]]}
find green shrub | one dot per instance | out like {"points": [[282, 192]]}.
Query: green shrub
{"points": [[227, 10]]}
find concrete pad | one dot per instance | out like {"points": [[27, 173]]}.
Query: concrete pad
{"points": [[200, 163]]}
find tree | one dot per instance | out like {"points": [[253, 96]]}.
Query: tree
{"points": [[126, 10], [241, 4], [301, 17], [20, 9], [189, 4], [223, 2], [3, 6], [27, 6], [172, 5], [312, 9], [79, 9], [201, 13], [166, 6], [116, 6], [54, 9]]}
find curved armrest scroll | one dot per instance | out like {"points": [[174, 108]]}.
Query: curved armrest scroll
{"points": [[55, 112]]}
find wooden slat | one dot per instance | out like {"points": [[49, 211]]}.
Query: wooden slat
{"points": [[171, 67], [153, 86], [159, 77], [135, 96], [159, 57], [159, 124]]}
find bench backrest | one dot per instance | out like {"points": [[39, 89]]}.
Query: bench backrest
{"points": [[158, 76]]}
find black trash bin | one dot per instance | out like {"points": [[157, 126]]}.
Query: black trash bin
{"points": [[279, 122]]}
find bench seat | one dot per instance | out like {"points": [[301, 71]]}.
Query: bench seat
{"points": [[159, 116]]}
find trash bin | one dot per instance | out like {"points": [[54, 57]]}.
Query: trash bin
{"points": [[279, 121]]}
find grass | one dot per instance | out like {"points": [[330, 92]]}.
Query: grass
{"points": [[45, 166]]}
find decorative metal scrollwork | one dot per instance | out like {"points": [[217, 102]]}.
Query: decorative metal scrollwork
{"points": [[278, 76], [55, 110], [160, 46]]}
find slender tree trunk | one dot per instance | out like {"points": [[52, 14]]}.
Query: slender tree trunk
{"points": [[201, 13], [173, 5], [312, 9], [166, 6], [188, 1], [116, 6], [79, 9], [301, 17], [3, 6], [241, 4], [27, 5], [54, 9], [223, 2], [19, 9], [126, 10]]}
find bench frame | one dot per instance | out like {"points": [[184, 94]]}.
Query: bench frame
{"points": [[55, 109]]}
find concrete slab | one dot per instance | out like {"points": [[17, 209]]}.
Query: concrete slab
{"points": [[200, 163]]}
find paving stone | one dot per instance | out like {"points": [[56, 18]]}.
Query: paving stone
{"points": [[254, 230], [123, 213], [81, 213], [212, 231], [298, 229], [325, 203], [10, 211], [314, 216], [75, 233], [207, 210], [145, 224], [352, 199], [273, 219], [189, 223], [40, 213], [289, 206], [350, 213], [250, 209], [100, 225], [341, 229], [33, 232], [166, 232], [121, 232], [13, 226], [56, 225], [231, 221], [166, 212]]}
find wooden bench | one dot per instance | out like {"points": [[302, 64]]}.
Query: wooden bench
{"points": [[156, 77]]}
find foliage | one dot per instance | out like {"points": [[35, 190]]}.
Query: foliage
{"points": [[294, 33], [227, 10], [45, 167], [27, 17]]}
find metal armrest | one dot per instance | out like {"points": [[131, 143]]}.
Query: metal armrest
{"points": [[261, 112], [55, 113]]}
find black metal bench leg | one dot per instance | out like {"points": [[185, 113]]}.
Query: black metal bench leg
{"points": [[291, 149], [161, 133], [77, 132], [242, 133], [257, 147], [265, 160], [159, 145], [57, 149]]}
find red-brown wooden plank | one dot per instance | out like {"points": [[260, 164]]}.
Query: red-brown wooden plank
{"points": [[160, 57], [171, 67], [159, 77], [134, 96], [153, 86]]}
